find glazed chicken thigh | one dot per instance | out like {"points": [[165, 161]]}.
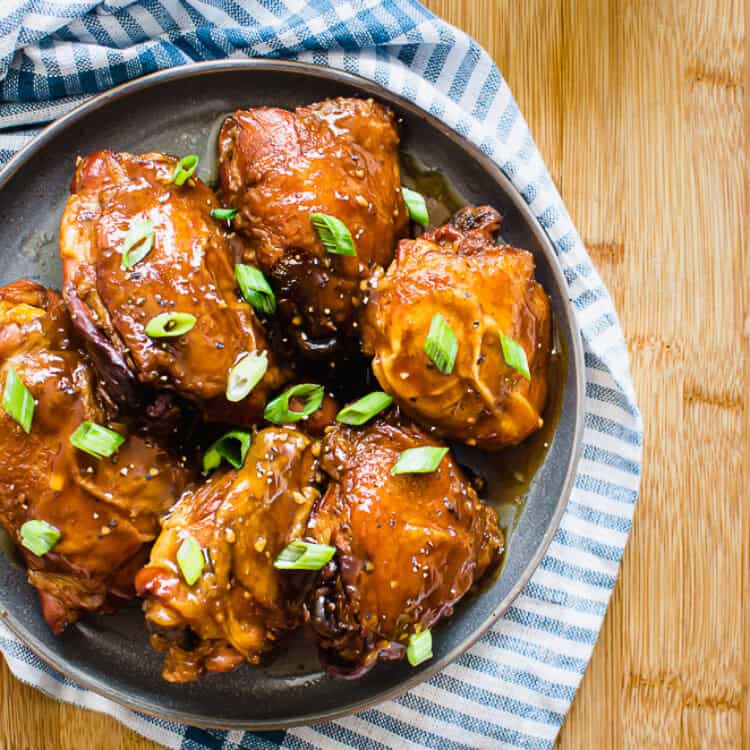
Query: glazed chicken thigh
{"points": [[408, 546], [122, 204], [104, 510], [241, 519], [499, 318], [339, 158]]}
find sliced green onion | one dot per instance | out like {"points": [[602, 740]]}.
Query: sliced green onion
{"points": [[245, 375], [190, 559], [223, 214], [301, 555], [333, 234], [419, 648], [441, 345], [18, 401], [137, 243], [365, 409], [39, 537], [255, 288], [278, 411], [97, 441], [169, 324], [419, 460], [185, 169], [515, 356], [416, 206], [232, 446]]}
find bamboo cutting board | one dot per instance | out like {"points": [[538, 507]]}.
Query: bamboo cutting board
{"points": [[637, 108]]}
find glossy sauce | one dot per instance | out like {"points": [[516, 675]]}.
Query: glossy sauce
{"points": [[506, 474]]}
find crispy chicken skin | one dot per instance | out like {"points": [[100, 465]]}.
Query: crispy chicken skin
{"points": [[481, 290], [337, 157], [242, 519], [105, 510], [189, 270], [408, 546]]}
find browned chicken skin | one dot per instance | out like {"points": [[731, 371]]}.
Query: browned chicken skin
{"points": [[481, 290], [408, 546], [106, 510], [243, 519], [189, 269], [336, 157]]}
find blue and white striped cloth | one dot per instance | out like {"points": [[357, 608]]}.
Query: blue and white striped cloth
{"points": [[515, 686]]}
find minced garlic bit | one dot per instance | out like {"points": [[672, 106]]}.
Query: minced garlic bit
{"points": [[56, 482]]}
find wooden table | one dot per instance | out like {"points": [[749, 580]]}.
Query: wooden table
{"points": [[637, 109]]}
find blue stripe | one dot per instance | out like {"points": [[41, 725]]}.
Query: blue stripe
{"points": [[563, 598], [612, 428], [533, 651], [577, 573], [551, 625], [411, 731], [509, 674], [612, 460], [610, 396], [598, 517], [605, 489], [486, 698], [486, 728], [586, 544]]}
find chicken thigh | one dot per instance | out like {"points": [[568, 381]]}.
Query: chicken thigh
{"points": [[241, 520], [339, 158], [103, 511], [499, 333], [125, 206], [408, 546]]}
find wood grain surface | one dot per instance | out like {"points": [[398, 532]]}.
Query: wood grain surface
{"points": [[637, 108]]}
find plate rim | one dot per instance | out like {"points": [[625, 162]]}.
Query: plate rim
{"points": [[370, 87]]}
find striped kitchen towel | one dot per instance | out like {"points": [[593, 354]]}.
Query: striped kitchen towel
{"points": [[514, 687]]}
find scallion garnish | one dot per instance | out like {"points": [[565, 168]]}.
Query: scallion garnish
{"points": [[223, 214], [278, 411], [365, 408], [232, 447], [416, 206], [170, 324], [245, 375], [190, 559], [441, 345], [255, 288], [419, 648], [333, 234], [515, 356], [18, 402], [137, 243], [301, 555], [39, 537], [97, 441], [419, 460], [185, 169]]}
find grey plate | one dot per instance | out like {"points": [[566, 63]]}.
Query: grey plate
{"points": [[177, 111]]}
